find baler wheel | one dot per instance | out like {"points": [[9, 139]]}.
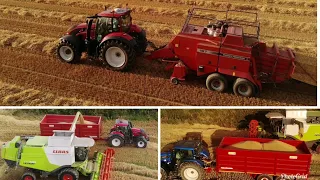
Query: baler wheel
{"points": [[164, 174], [264, 177], [243, 87], [67, 52], [68, 174], [216, 82], [191, 171], [28, 176], [116, 141], [117, 55], [175, 81], [141, 142]]}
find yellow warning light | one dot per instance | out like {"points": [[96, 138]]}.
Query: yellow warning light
{"points": [[176, 45], [234, 73]]}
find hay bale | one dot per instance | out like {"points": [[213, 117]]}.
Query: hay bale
{"points": [[252, 145], [276, 145]]}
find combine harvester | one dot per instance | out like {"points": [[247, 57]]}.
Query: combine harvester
{"points": [[301, 125], [122, 133], [63, 155]]}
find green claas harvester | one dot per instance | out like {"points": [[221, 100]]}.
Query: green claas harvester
{"points": [[62, 155]]}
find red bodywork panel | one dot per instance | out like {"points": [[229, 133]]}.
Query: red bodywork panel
{"points": [[52, 122], [262, 162], [136, 131], [231, 55], [118, 34], [117, 133], [135, 28]]}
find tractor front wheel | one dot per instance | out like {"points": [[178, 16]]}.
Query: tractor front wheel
{"points": [[164, 174], [216, 82], [141, 142], [68, 174], [117, 55], [116, 141], [28, 176], [67, 52], [243, 87], [191, 171]]}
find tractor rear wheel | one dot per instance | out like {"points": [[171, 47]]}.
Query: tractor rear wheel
{"points": [[68, 174], [28, 176], [164, 174], [191, 171], [141, 142], [264, 177], [116, 141], [243, 87], [67, 52], [216, 82], [117, 55]]}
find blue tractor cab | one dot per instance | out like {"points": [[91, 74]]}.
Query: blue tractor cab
{"points": [[186, 159]]}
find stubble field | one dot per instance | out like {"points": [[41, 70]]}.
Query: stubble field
{"points": [[129, 163], [31, 74]]}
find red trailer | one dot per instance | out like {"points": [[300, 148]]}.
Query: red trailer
{"points": [[225, 53], [91, 128], [262, 164]]}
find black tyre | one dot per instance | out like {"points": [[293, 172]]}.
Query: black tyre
{"points": [[28, 176], [189, 170], [243, 87], [264, 177], [116, 141], [216, 82], [141, 142], [142, 42], [164, 174], [81, 153], [67, 52], [117, 55], [175, 81], [69, 174]]}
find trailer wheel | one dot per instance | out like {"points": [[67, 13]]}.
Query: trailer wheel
{"points": [[117, 55], [141, 142], [164, 174], [67, 52], [216, 82], [191, 171], [116, 141], [243, 87], [68, 174], [28, 176], [175, 81], [264, 177]]}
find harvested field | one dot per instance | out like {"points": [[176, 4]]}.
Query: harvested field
{"points": [[129, 163], [30, 30]]}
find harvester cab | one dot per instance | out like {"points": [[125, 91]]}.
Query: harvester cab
{"points": [[187, 159], [108, 35], [123, 133], [297, 124], [63, 155]]}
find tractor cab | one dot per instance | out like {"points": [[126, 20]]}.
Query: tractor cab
{"points": [[175, 156]]}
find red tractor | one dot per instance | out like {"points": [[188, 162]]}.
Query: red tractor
{"points": [[123, 133], [109, 36], [223, 53]]}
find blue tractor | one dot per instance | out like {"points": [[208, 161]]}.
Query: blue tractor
{"points": [[186, 159]]}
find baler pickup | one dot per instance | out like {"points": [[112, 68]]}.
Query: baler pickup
{"points": [[103, 165]]}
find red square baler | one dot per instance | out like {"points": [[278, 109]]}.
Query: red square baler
{"points": [[257, 162], [91, 128]]}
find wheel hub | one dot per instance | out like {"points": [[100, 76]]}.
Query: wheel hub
{"points": [[140, 143], [115, 57], [191, 174], [67, 177], [116, 142], [243, 88], [66, 53], [216, 83], [28, 178]]}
